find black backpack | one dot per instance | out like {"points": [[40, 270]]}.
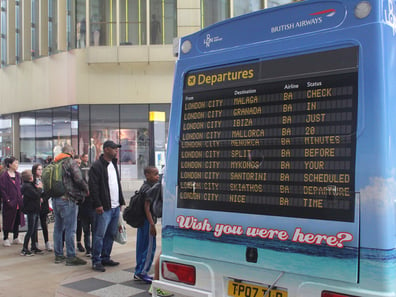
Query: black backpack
{"points": [[156, 195], [134, 214]]}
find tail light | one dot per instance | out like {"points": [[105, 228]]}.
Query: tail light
{"points": [[333, 294], [178, 272]]}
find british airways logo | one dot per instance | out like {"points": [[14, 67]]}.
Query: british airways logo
{"points": [[315, 19], [327, 12]]}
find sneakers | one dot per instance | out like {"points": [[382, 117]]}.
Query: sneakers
{"points": [[26, 252], [16, 241], [59, 259], [143, 277], [98, 267], [48, 246], [160, 292], [110, 263], [75, 261], [88, 254], [37, 251], [6, 242], [80, 247]]}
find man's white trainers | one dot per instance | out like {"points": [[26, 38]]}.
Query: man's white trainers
{"points": [[16, 241], [6, 242]]}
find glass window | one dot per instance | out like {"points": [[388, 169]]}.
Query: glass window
{"points": [[3, 46], [104, 126], [27, 126], [134, 138], [5, 136], [43, 135], [52, 27], [71, 28], [81, 25], [103, 22], [61, 125], [246, 6], [18, 34], [163, 21], [83, 126], [133, 22], [273, 3], [214, 11], [35, 17], [165, 108], [160, 135], [74, 128]]}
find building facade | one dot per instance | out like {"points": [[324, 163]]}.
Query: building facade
{"points": [[83, 71]]}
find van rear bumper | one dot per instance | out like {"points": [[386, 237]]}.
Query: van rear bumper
{"points": [[183, 290]]}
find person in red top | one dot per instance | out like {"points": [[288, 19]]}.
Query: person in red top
{"points": [[10, 190]]}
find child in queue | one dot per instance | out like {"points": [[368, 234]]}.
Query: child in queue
{"points": [[31, 201]]}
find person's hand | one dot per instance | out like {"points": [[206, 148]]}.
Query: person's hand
{"points": [[39, 185], [99, 210], [122, 208], [153, 231]]}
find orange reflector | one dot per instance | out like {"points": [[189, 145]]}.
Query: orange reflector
{"points": [[333, 294], [178, 272]]}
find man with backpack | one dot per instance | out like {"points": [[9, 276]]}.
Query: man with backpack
{"points": [[65, 207], [107, 199], [145, 241]]}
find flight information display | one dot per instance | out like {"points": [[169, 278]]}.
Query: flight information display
{"points": [[273, 137]]}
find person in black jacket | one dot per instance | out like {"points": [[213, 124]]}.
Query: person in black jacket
{"points": [[107, 199], [31, 207], [37, 171]]}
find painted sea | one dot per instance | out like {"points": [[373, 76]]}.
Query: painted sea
{"points": [[369, 268]]}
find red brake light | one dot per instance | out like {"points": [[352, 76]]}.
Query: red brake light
{"points": [[333, 294], [178, 272]]}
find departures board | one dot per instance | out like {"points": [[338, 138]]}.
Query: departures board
{"points": [[274, 137]]}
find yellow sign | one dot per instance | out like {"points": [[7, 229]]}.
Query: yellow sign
{"points": [[157, 116], [239, 289]]}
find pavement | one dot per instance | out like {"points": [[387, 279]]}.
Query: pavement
{"points": [[39, 276]]}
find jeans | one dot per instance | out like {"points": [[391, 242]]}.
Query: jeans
{"points": [[65, 212], [105, 230], [145, 249], [44, 227], [31, 233]]}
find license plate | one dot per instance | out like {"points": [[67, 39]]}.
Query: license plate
{"points": [[239, 289]]}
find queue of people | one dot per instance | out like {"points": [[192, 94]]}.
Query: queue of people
{"points": [[97, 212]]}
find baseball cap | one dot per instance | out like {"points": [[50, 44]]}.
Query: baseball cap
{"points": [[110, 143]]}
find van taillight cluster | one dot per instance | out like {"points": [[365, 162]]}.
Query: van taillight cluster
{"points": [[178, 272], [333, 294]]}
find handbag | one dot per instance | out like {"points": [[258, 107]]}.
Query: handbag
{"points": [[121, 235]]}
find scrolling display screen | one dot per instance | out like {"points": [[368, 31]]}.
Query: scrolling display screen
{"points": [[273, 137]]}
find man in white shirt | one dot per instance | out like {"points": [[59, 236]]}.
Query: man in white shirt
{"points": [[107, 199]]}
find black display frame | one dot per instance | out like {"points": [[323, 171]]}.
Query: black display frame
{"points": [[332, 76]]}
